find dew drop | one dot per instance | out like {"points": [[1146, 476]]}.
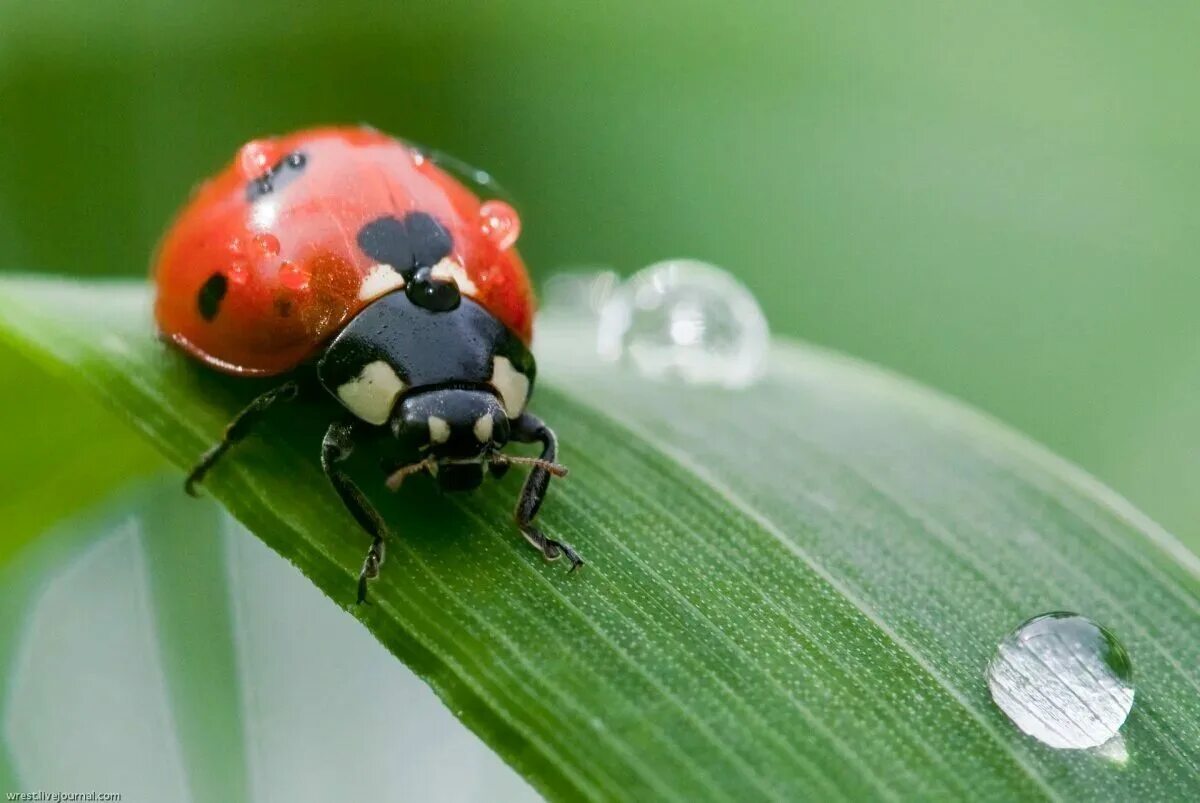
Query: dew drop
{"points": [[499, 223], [238, 273], [293, 276], [267, 243], [1064, 680], [687, 319], [255, 157], [579, 294], [570, 308]]}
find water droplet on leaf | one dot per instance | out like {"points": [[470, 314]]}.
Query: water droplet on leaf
{"points": [[687, 319], [579, 295], [1064, 680]]}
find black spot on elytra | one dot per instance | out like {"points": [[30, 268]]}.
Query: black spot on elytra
{"points": [[283, 307], [208, 300], [417, 241], [282, 173]]}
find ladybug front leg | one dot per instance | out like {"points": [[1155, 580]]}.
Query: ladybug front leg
{"points": [[239, 428], [336, 447], [531, 429]]}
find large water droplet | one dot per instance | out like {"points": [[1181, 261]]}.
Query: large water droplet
{"points": [[1064, 680], [686, 319], [579, 294]]}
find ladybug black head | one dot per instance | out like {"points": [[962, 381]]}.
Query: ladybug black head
{"points": [[458, 427], [448, 384]]}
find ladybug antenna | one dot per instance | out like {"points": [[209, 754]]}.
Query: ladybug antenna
{"points": [[557, 469], [396, 478]]}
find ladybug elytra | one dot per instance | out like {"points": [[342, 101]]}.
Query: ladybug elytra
{"points": [[346, 259]]}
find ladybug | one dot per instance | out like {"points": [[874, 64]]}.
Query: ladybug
{"points": [[346, 259]]}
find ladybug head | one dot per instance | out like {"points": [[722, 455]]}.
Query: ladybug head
{"points": [[457, 428]]}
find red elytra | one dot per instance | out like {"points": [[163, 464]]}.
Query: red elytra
{"points": [[256, 284]]}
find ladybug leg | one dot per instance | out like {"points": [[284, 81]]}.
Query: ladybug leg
{"points": [[531, 429], [336, 447], [238, 429]]}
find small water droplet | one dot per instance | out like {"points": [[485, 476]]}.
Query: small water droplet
{"points": [[267, 244], [687, 319], [239, 272], [293, 276], [499, 223], [1064, 680], [256, 156]]}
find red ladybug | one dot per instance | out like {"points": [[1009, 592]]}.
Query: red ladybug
{"points": [[346, 259]]}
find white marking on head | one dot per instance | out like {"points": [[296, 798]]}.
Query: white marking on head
{"points": [[451, 270], [439, 429], [372, 394], [381, 279], [512, 385], [483, 428]]}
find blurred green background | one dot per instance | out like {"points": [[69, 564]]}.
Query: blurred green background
{"points": [[995, 198]]}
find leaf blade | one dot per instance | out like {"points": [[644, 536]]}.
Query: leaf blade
{"points": [[764, 616]]}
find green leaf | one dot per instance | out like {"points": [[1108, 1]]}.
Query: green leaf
{"points": [[793, 590]]}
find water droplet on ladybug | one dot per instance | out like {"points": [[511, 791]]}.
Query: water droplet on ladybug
{"points": [[256, 157], [500, 223], [294, 277], [267, 244], [239, 272], [687, 319]]}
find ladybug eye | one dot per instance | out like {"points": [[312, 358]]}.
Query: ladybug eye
{"points": [[433, 294]]}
